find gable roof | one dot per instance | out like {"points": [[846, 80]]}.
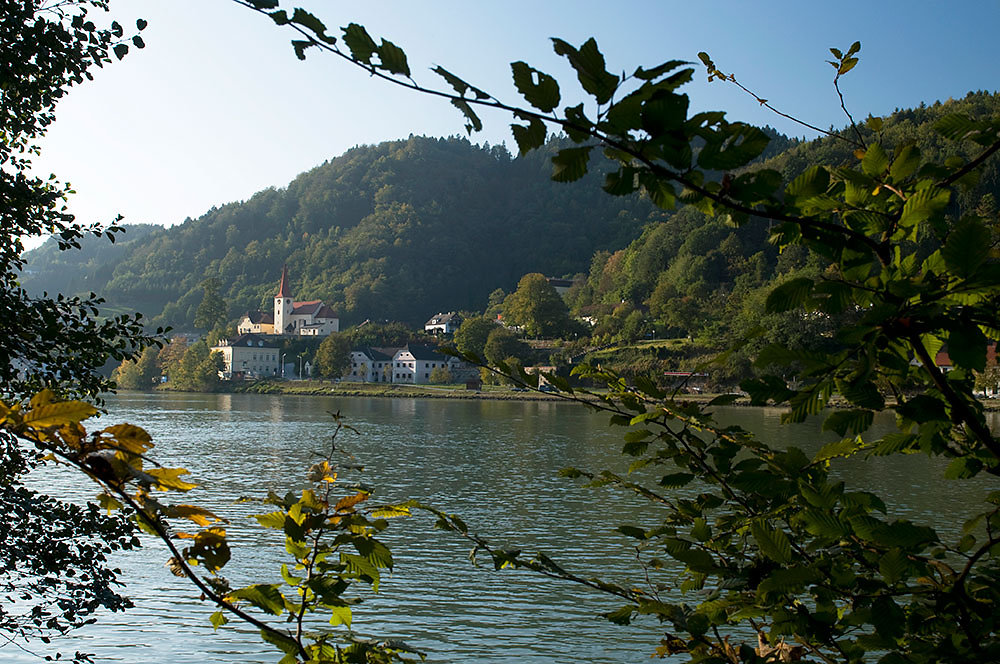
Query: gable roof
{"points": [[249, 340], [443, 319], [421, 352], [258, 317], [377, 354]]}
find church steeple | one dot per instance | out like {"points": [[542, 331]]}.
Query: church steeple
{"points": [[283, 304], [283, 290]]}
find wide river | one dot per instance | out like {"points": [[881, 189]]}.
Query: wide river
{"points": [[495, 463]]}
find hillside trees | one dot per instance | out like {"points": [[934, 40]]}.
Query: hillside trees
{"points": [[471, 335], [771, 541], [536, 307], [213, 310]]}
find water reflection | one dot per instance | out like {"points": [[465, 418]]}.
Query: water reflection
{"points": [[493, 462]]}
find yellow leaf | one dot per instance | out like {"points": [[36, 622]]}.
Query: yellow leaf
{"points": [[859, 153], [347, 502], [57, 414], [43, 398], [168, 478], [321, 472], [390, 512], [129, 438], [199, 515], [72, 435]]}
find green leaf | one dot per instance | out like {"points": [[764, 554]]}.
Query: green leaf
{"points": [[701, 530], [360, 43], [955, 126], [659, 70], [789, 295], [840, 448], [963, 468], [538, 88], [923, 204], [621, 182], [967, 347], [218, 619], [632, 531], [474, 124], [622, 616], [875, 161], [823, 523], [529, 137], [570, 164], [284, 643], [893, 566], [789, 580], [967, 247], [772, 542], [460, 86], [300, 47], [121, 50], [846, 66], [893, 443], [590, 68], [265, 597], [664, 112], [274, 520], [309, 21], [340, 615], [580, 127], [854, 421], [676, 480], [393, 58], [733, 146], [905, 164], [813, 182]]}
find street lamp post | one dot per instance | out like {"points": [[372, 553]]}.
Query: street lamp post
{"points": [[283, 364]]}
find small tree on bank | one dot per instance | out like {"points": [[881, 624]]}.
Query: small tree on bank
{"points": [[333, 358]]}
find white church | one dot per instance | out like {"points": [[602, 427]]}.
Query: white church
{"points": [[309, 318]]}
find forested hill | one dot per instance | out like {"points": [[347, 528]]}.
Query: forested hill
{"points": [[405, 229], [399, 230], [700, 277]]}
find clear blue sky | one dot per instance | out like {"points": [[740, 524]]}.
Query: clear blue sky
{"points": [[217, 106]]}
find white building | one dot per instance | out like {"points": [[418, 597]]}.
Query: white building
{"points": [[248, 356], [411, 364], [443, 323]]}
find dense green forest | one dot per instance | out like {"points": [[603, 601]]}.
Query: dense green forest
{"points": [[398, 231], [702, 277], [404, 229]]}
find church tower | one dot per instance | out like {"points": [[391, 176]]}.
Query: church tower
{"points": [[283, 304]]}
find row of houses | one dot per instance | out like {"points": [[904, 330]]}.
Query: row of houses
{"points": [[254, 356]]}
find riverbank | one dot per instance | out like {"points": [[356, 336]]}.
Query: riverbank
{"points": [[487, 392], [387, 390]]}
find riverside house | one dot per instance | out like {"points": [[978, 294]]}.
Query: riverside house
{"points": [[412, 364], [248, 356]]}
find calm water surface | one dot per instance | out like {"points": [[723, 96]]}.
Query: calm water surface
{"points": [[494, 463]]}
